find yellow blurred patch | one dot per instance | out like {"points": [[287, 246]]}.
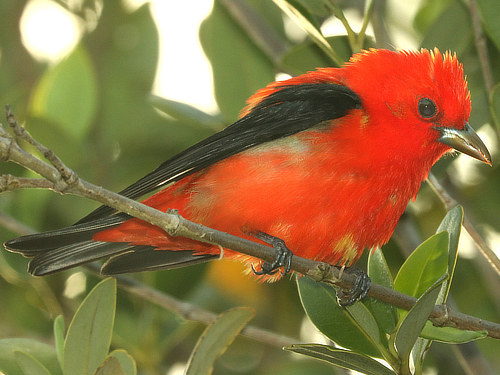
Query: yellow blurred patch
{"points": [[231, 279]]}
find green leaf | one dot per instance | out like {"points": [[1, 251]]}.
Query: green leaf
{"points": [[59, 337], [29, 364], [320, 304], [428, 13], [450, 334], [342, 358], [319, 8], [313, 32], [67, 94], [238, 71], [126, 74], [89, 334], [452, 29], [385, 314], [490, 14], [127, 362], [424, 266], [186, 113], [367, 324], [216, 338], [307, 56], [111, 366], [413, 322], [452, 224], [45, 354]]}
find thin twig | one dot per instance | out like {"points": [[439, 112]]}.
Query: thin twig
{"points": [[176, 225], [9, 182], [192, 312]]}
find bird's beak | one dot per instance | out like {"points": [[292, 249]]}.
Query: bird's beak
{"points": [[465, 140]]}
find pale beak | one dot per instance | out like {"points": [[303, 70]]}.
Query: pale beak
{"points": [[465, 140]]}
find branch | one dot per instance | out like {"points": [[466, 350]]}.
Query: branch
{"points": [[184, 309], [192, 312], [65, 181]]}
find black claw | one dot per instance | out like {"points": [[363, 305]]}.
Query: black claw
{"points": [[283, 255], [265, 269], [347, 297]]}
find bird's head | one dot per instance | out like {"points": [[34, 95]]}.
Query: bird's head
{"points": [[420, 101]]}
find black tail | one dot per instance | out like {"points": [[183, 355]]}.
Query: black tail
{"points": [[72, 246]]}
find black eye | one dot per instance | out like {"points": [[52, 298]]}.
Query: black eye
{"points": [[426, 108]]}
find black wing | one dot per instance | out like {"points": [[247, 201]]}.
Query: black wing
{"points": [[285, 112], [291, 109]]}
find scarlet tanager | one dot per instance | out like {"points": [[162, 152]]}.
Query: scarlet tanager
{"points": [[326, 162]]}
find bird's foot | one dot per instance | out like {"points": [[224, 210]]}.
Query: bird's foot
{"points": [[283, 255], [347, 297]]}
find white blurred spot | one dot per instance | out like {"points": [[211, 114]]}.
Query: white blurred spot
{"points": [[184, 73], [309, 333], [176, 369], [48, 31], [133, 5], [466, 246], [492, 239], [467, 171], [293, 31], [430, 371], [333, 26], [76, 284], [400, 14], [282, 76]]}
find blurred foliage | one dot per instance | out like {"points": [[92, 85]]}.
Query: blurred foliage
{"points": [[95, 110]]}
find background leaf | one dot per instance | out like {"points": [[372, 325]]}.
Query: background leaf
{"points": [[424, 266], [126, 361], [44, 354], [384, 313], [89, 334], [29, 364], [450, 334], [452, 224], [236, 74], [320, 304], [342, 358], [490, 13], [411, 325], [59, 338], [111, 366], [216, 338], [67, 94]]}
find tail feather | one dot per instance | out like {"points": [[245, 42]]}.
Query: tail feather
{"points": [[73, 255], [147, 259], [73, 246], [33, 244]]}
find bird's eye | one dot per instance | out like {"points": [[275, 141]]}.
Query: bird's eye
{"points": [[427, 108]]}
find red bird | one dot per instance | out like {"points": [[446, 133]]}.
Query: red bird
{"points": [[326, 161]]}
